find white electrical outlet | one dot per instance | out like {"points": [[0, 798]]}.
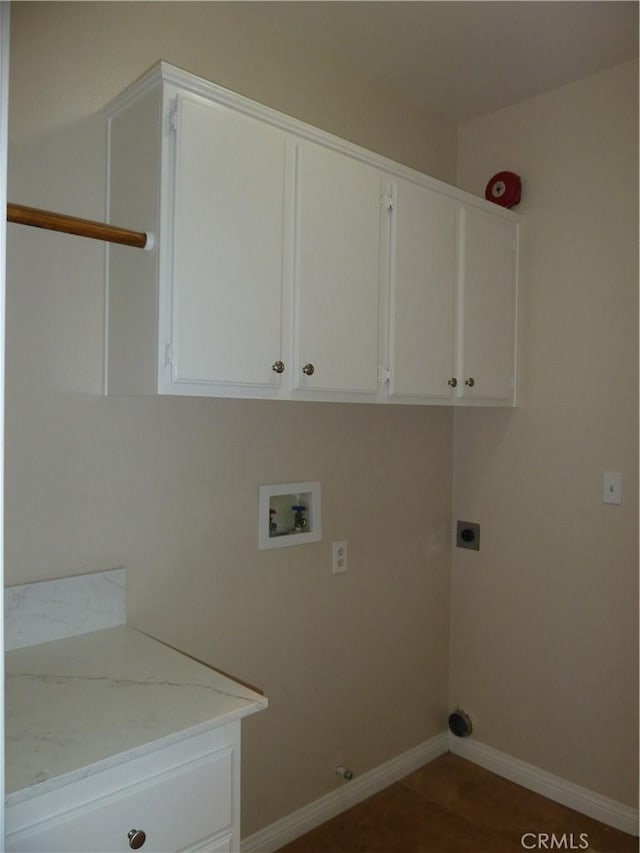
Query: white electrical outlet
{"points": [[612, 487], [339, 557]]}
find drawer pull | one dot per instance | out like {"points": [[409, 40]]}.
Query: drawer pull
{"points": [[136, 837]]}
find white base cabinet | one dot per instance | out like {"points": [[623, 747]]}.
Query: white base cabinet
{"points": [[176, 798], [117, 742], [290, 264]]}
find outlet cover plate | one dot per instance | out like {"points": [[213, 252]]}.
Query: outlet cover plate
{"points": [[468, 535]]}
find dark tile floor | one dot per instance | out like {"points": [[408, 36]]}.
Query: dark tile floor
{"points": [[453, 806]]}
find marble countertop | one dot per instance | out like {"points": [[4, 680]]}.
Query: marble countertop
{"points": [[78, 705]]}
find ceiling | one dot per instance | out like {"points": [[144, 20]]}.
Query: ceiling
{"points": [[460, 59]]}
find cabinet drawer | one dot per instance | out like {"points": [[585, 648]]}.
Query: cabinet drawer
{"points": [[175, 810], [219, 844]]}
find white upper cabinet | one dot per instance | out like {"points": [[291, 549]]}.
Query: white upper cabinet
{"points": [[227, 229], [452, 300], [423, 257], [487, 308], [290, 264], [336, 271]]}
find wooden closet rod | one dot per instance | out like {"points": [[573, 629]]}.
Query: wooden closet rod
{"points": [[22, 215]]}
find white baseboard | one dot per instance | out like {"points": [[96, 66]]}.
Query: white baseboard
{"points": [[347, 795], [555, 788]]}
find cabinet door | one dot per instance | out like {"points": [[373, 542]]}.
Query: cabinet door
{"points": [[337, 271], [488, 307], [228, 226], [422, 294]]}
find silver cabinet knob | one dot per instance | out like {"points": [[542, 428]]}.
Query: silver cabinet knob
{"points": [[136, 837], [453, 382], [308, 370], [470, 382], [278, 366]]}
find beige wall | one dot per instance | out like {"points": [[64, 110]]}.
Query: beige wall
{"points": [[544, 636], [355, 665], [544, 617]]}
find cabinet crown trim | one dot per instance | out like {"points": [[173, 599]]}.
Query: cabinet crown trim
{"points": [[165, 72]]}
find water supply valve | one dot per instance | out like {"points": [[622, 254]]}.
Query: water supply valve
{"points": [[344, 772]]}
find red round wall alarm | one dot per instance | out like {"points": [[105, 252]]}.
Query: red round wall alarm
{"points": [[504, 189]]}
